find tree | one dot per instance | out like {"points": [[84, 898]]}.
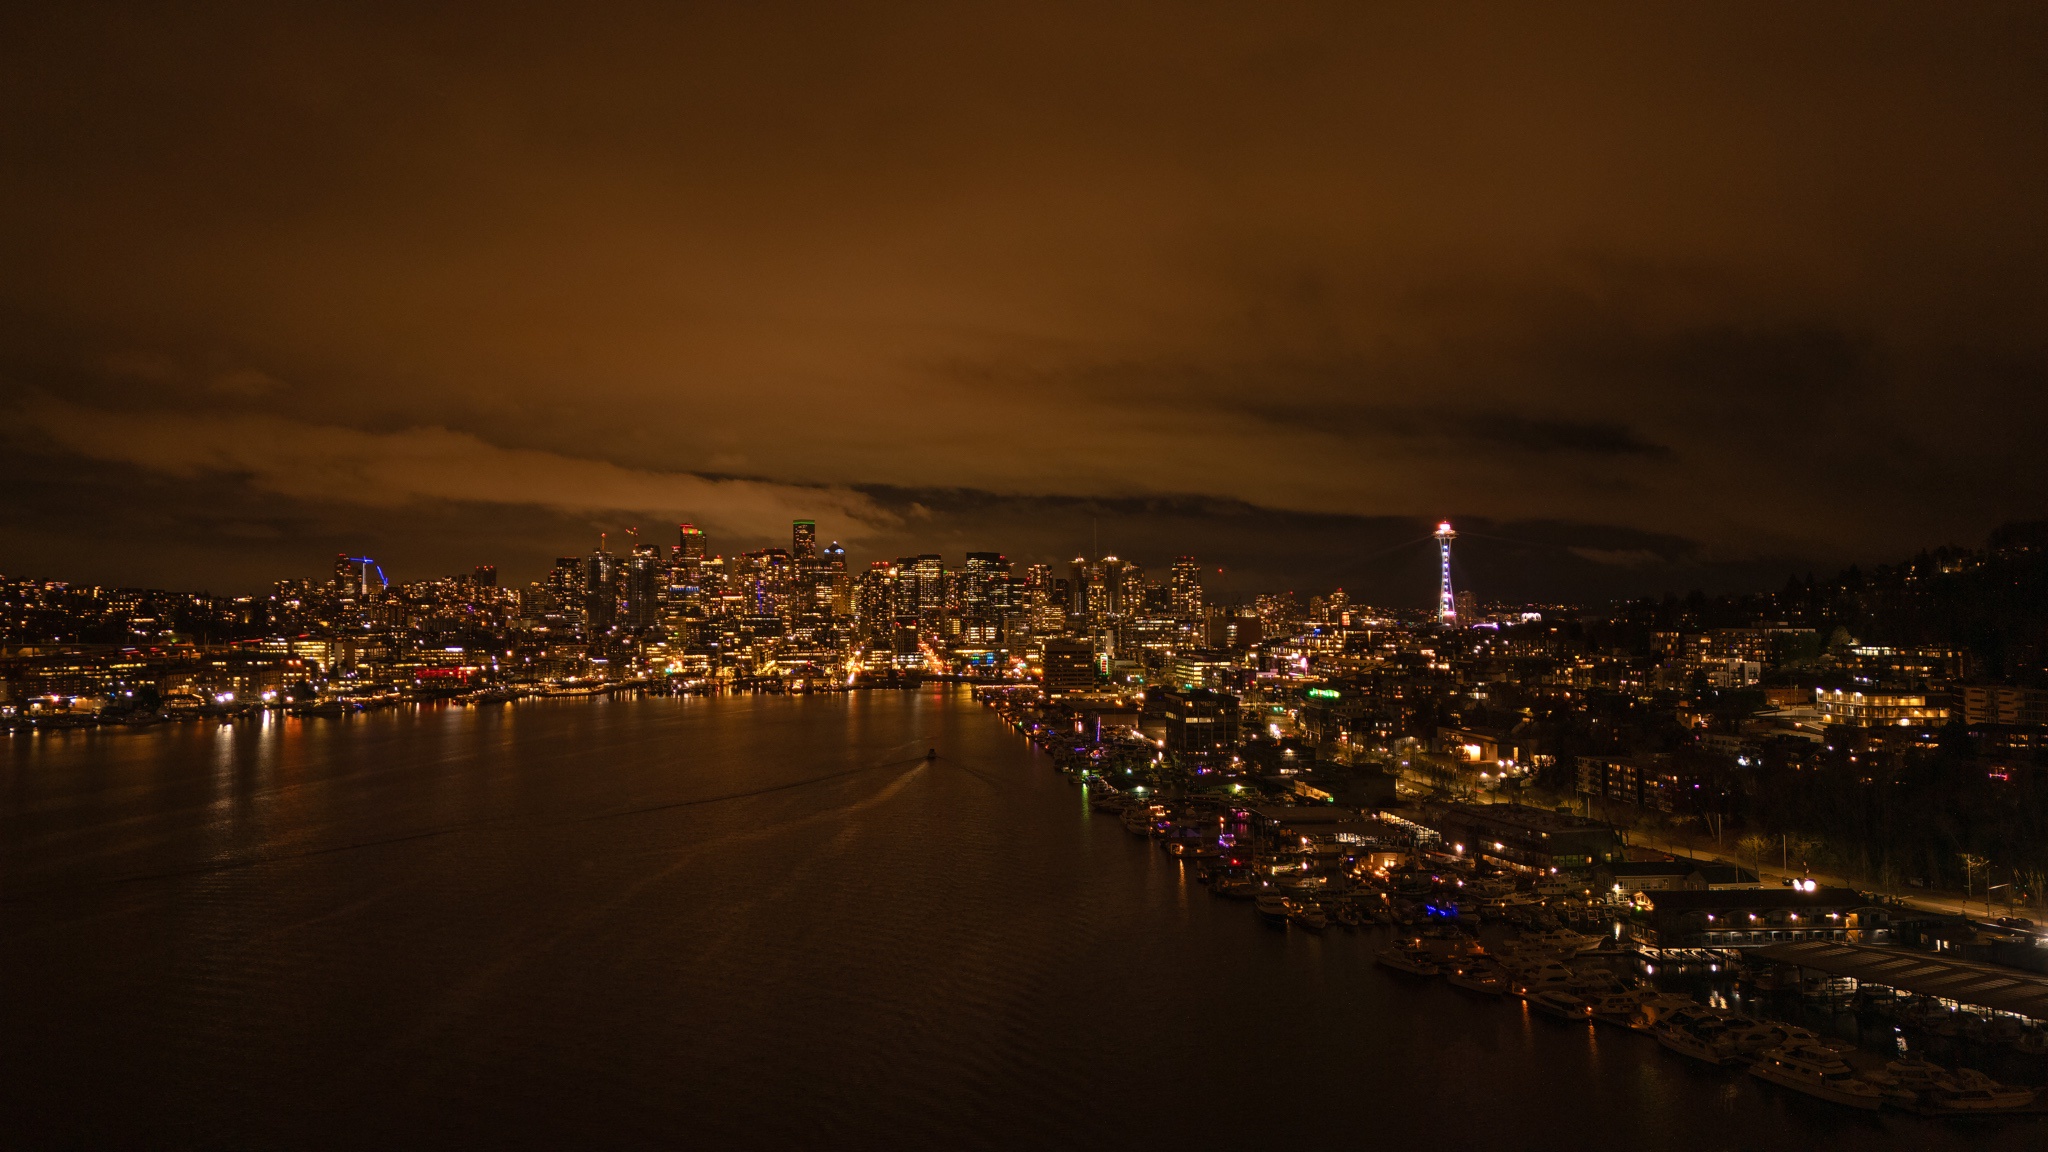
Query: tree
{"points": [[1754, 843]]}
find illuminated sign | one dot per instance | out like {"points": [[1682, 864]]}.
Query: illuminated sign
{"points": [[1325, 694]]}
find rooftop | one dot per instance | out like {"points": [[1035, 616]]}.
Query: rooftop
{"points": [[1760, 898], [1527, 817], [1922, 973]]}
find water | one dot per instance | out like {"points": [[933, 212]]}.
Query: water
{"points": [[749, 921]]}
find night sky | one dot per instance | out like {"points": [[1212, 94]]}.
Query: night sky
{"points": [[1646, 297]]}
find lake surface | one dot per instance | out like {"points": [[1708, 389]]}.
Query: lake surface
{"points": [[729, 922]]}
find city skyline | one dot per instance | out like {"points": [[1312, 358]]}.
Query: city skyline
{"points": [[768, 576]]}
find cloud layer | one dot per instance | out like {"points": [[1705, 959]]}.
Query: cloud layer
{"points": [[390, 470], [1770, 281]]}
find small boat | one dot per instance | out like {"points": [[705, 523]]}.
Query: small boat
{"points": [[1405, 958], [1561, 1004], [1273, 909], [1482, 979], [1819, 1072], [1348, 915]]}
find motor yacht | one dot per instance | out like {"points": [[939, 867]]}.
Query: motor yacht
{"points": [[1407, 958], [1972, 1091], [1699, 1038], [1562, 939], [1528, 981], [1819, 1072], [1480, 978], [1621, 1007], [1952, 1089], [1306, 915], [1752, 1038], [1273, 908], [1239, 889], [1561, 1004], [1660, 1007]]}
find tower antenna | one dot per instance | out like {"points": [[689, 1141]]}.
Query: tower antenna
{"points": [[1446, 603]]}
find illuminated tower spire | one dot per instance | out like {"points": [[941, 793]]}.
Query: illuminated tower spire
{"points": [[1446, 603]]}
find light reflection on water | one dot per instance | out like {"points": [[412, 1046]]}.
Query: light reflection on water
{"points": [[744, 921]]}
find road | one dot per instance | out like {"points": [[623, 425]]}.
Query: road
{"points": [[1942, 903]]}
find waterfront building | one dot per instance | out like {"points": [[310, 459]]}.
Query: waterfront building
{"points": [[1068, 667], [1200, 724], [1750, 918]]}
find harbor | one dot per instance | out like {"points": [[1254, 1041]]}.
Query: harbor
{"points": [[1785, 986]]}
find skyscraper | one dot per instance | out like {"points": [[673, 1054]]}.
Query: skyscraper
{"points": [[977, 580], [1080, 588], [643, 588], [1106, 596], [484, 576], [931, 585], [803, 541], [565, 583], [691, 550], [1187, 588], [600, 593]]}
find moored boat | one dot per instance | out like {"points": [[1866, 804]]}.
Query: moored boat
{"points": [[1818, 1071], [1660, 1007], [1409, 959], [1481, 978], [1939, 1089], [1620, 1007], [1697, 1039], [1562, 1005], [1306, 915]]}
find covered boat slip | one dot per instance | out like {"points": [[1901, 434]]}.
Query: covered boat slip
{"points": [[1990, 986]]}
